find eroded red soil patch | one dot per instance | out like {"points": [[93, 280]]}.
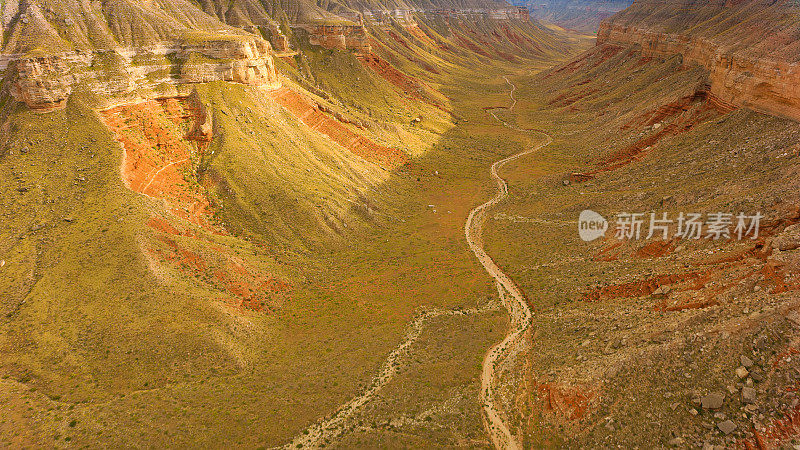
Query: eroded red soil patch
{"points": [[569, 402], [316, 119], [656, 249], [714, 276], [702, 288], [162, 139], [589, 60], [783, 356], [641, 288], [215, 267], [609, 253], [708, 102], [787, 427], [685, 113], [560, 402], [778, 431], [409, 85], [668, 120]]}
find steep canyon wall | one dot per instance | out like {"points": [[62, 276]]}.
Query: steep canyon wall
{"points": [[756, 75]]}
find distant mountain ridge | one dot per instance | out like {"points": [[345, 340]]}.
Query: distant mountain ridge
{"points": [[580, 15], [63, 25]]}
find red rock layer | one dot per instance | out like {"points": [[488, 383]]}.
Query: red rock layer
{"points": [[241, 285], [409, 85], [314, 117], [709, 277]]}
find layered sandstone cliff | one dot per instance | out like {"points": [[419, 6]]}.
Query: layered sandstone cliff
{"points": [[747, 67], [246, 61], [43, 82], [129, 48], [46, 82], [48, 48], [342, 37]]}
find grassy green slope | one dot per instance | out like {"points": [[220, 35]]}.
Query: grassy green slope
{"points": [[73, 326]]}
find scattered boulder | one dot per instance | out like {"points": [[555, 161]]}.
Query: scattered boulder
{"points": [[578, 177], [746, 362], [741, 372], [727, 427], [789, 239], [748, 395], [713, 400]]}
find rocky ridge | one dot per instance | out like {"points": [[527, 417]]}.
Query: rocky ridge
{"points": [[129, 50], [757, 76], [581, 15]]}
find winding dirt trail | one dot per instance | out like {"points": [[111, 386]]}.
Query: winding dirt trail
{"points": [[512, 299], [511, 295], [326, 430]]}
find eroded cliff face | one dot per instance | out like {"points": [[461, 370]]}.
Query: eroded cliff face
{"points": [[247, 62], [762, 76], [41, 83], [355, 37], [46, 82], [341, 37], [122, 51]]}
